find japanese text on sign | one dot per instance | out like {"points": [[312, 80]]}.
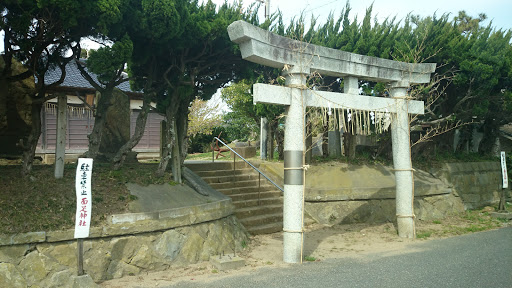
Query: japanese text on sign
{"points": [[83, 197]]}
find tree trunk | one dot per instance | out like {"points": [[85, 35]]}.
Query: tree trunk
{"points": [[99, 123], [182, 134], [176, 155], [167, 147], [4, 95], [170, 135], [29, 147], [140, 126], [179, 149], [490, 129]]}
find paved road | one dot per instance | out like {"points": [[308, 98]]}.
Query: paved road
{"points": [[477, 260]]}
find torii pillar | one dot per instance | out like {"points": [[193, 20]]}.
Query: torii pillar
{"points": [[297, 59], [294, 176], [401, 145]]}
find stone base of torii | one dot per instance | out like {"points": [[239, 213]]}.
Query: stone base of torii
{"points": [[297, 61]]}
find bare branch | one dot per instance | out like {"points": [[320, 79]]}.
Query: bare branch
{"points": [[87, 76]]}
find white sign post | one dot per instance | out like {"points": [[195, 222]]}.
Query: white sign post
{"points": [[504, 170], [501, 205], [83, 206]]}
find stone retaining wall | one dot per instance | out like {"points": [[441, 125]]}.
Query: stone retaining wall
{"points": [[380, 210], [342, 193], [477, 183], [129, 247]]}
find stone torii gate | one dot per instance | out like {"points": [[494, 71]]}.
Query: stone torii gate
{"points": [[297, 61]]}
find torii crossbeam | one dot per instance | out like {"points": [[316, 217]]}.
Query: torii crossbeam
{"points": [[299, 59]]}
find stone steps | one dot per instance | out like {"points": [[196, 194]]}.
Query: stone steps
{"points": [[250, 196], [255, 202], [219, 173], [235, 184], [230, 178], [243, 186], [261, 220], [245, 190], [266, 229], [215, 166], [258, 210]]}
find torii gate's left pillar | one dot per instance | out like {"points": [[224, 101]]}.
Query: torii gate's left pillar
{"points": [[294, 138]]}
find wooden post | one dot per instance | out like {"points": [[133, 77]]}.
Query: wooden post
{"points": [[60, 148], [80, 246], [263, 138], [163, 137]]}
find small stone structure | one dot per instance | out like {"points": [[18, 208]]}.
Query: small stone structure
{"points": [[117, 124], [246, 152], [131, 244]]}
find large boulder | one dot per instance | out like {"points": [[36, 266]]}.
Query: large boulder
{"points": [[117, 124]]}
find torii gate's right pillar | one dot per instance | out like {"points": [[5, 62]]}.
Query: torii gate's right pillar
{"points": [[402, 163]]}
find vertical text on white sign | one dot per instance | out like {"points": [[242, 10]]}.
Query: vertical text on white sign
{"points": [[83, 197]]}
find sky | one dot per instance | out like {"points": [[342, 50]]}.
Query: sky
{"points": [[499, 11]]}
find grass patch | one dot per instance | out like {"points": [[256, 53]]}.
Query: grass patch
{"points": [[423, 235], [437, 159], [468, 222], [362, 158], [47, 204], [310, 258], [476, 228]]}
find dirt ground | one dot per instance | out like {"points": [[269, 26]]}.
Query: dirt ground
{"points": [[339, 241]]}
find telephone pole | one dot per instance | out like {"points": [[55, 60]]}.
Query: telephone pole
{"points": [[267, 7]]}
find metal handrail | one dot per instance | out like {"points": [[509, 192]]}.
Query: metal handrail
{"points": [[261, 173]]}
